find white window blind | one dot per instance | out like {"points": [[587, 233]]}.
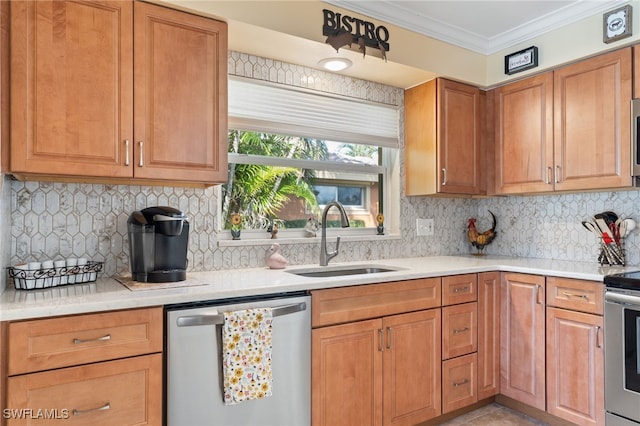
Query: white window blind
{"points": [[264, 107]]}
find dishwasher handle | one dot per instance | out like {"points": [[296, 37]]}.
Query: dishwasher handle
{"points": [[218, 319]]}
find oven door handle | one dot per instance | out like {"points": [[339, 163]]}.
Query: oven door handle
{"points": [[218, 319], [621, 299]]}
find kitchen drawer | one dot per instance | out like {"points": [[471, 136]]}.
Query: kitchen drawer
{"points": [[576, 295], [346, 304], [459, 329], [122, 392], [459, 289], [459, 382], [44, 344]]}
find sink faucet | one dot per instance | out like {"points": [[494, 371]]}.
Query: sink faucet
{"points": [[325, 257]]}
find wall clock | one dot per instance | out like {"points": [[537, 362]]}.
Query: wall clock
{"points": [[616, 24]]}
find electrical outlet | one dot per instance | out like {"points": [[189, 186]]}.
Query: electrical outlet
{"points": [[424, 227]]}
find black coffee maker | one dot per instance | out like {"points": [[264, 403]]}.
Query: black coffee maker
{"points": [[158, 240]]}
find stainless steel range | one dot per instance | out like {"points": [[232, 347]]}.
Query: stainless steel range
{"points": [[622, 349]]}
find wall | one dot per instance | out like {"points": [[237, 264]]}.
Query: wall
{"points": [[567, 44], [279, 22], [49, 220]]}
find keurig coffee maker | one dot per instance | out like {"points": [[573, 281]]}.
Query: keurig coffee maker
{"points": [[158, 241]]}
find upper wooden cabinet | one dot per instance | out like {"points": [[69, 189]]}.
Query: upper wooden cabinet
{"points": [[443, 138], [567, 129], [524, 135], [82, 107]]}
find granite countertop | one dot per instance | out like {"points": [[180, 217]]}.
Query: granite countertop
{"points": [[109, 294]]}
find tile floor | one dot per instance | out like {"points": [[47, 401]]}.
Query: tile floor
{"points": [[493, 415]]}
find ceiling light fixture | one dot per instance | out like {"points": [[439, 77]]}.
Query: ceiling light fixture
{"points": [[335, 64]]}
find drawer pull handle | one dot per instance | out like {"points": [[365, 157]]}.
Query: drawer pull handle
{"points": [[380, 339], [389, 337], [460, 330], [461, 289], [141, 144], [462, 383], [444, 177], [598, 344], [98, 339], [106, 406], [538, 287], [580, 296]]}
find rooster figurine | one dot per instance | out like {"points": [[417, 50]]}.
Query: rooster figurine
{"points": [[480, 239], [274, 259]]}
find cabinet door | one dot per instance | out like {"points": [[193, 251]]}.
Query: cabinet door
{"points": [[346, 374], [412, 367], [180, 96], [421, 174], [71, 87], [488, 334], [123, 392], [592, 116], [575, 389], [443, 145], [524, 135], [459, 138], [522, 349]]}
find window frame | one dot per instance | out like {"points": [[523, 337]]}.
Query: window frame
{"points": [[388, 167]]}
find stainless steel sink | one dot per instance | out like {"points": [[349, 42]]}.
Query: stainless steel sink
{"points": [[342, 270]]}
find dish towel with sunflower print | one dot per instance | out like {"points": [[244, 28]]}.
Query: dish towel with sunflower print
{"points": [[246, 357]]}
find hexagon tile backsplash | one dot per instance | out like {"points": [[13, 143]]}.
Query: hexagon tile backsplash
{"points": [[50, 220]]}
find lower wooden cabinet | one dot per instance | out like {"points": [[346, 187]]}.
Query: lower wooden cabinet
{"points": [[575, 366], [459, 383], [459, 329], [91, 369], [522, 338], [346, 374], [384, 371], [488, 334], [575, 389], [123, 392], [411, 368]]}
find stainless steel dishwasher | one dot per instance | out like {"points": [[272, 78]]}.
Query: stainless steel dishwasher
{"points": [[194, 390]]}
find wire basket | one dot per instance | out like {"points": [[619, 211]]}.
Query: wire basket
{"points": [[36, 279]]}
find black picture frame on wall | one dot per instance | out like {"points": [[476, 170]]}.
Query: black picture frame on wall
{"points": [[521, 60]]}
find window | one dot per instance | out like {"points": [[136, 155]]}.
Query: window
{"points": [[293, 151]]}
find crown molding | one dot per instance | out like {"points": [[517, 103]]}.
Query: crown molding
{"points": [[393, 13]]}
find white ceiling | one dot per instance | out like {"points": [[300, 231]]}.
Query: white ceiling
{"points": [[479, 25]]}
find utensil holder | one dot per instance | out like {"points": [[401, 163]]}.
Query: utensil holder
{"points": [[612, 254], [36, 279]]}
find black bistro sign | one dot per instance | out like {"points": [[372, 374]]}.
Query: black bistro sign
{"points": [[372, 35]]}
